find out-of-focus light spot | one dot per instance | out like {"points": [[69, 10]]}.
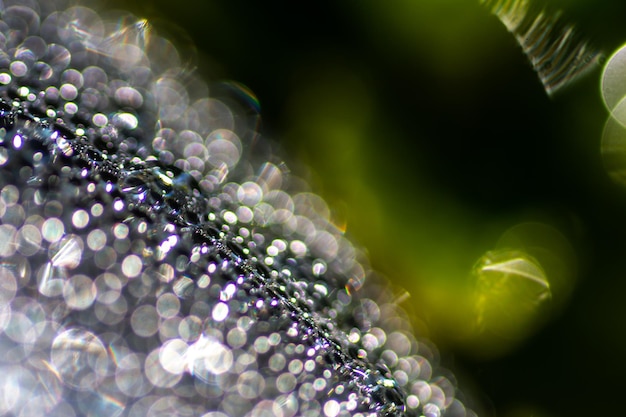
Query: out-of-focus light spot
{"points": [[510, 286], [69, 252], [125, 120], [613, 148], [530, 270], [220, 312], [79, 358], [131, 266], [145, 321], [207, 358], [331, 408], [613, 85]]}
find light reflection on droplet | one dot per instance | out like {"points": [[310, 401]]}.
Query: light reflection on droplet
{"points": [[613, 85], [28, 240], [27, 322], [16, 385], [190, 328], [511, 286], [79, 292], [8, 285], [614, 149], [157, 374], [52, 229], [96, 240], [128, 97], [250, 384], [220, 312], [125, 120], [68, 92], [130, 378], [236, 338], [131, 266], [79, 357], [68, 253], [207, 358], [168, 305], [80, 218], [331, 408]]}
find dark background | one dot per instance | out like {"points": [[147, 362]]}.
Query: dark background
{"points": [[424, 126]]}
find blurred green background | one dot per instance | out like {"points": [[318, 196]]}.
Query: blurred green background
{"points": [[425, 128]]}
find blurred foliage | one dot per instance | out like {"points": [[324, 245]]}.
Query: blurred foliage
{"points": [[423, 125]]}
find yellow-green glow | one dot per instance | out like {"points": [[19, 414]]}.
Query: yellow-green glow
{"points": [[510, 288]]}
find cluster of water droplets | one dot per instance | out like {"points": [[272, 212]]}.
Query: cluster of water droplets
{"points": [[156, 258]]}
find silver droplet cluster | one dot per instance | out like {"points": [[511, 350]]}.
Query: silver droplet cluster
{"points": [[156, 261]]}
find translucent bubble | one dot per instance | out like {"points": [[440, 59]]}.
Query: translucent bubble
{"points": [[80, 358], [52, 229], [125, 120], [172, 99], [8, 285], [29, 240], [127, 56], [613, 85], [95, 77], [613, 149], [250, 384], [213, 114], [207, 357], [222, 151], [96, 239], [16, 387], [81, 23], [131, 266], [80, 218], [551, 249], [172, 356], [130, 378], [72, 77], [128, 97], [220, 312], [145, 321], [10, 195], [157, 374], [79, 292], [236, 338], [58, 57], [431, 410], [22, 20], [100, 119], [68, 92], [168, 305], [510, 288], [33, 48], [331, 408], [27, 321], [67, 253], [324, 245], [163, 55], [190, 328], [230, 217], [170, 406], [18, 68]]}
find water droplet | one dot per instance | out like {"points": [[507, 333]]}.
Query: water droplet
{"points": [[79, 358]]}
